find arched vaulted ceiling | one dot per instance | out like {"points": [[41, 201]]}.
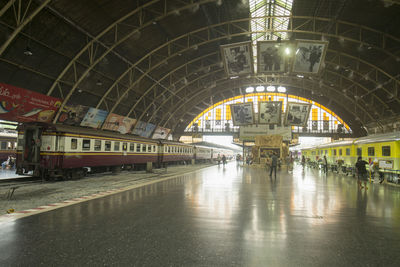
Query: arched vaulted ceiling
{"points": [[159, 61]]}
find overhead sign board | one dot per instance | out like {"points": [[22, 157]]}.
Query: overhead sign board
{"points": [[249, 132]]}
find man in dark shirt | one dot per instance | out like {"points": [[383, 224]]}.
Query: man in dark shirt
{"points": [[274, 163], [361, 172]]}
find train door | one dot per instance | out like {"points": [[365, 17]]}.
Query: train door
{"points": [[160, 154], [31, 150]]}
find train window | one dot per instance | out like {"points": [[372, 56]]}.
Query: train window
{"points": [[386, 151], [74, 143], [340, 152], [86, 144], [154, 148], [371, 151], [124, 146], [138, 147], [97, 145], [359, 151], [144, 148], [347, 151], [326, 152], [334, 152], [131, 147], [116, 146], [3, 145], [107, 145]]}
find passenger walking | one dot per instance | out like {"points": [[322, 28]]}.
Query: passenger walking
{"points": [[361, 172], [303, 161], [274, 163], [223, 160], [325, 162], [219, 159]]}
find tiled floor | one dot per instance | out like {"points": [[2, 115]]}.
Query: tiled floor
{"points": [[230, 216]]}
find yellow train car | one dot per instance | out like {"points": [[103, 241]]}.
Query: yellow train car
{"points": [[381, 149]]}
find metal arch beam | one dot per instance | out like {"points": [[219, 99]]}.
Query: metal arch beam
{"points": [[211, 65], [173, 128], [6, 7], [109, 49], [178, 106], [204, 42], [149, 90], [21, 26]]}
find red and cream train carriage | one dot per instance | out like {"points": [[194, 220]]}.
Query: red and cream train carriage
{"points": [[65, 151], [8, 145]]}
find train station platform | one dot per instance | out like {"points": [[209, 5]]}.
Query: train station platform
{"points": [[217, 216]]}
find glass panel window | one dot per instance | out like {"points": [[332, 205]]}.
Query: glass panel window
{"points": [[107, 145], [347, 151], [124, 146], [326, 152], [86, 144], [144, 149], [138, 147], [386, 151], [340, 152], [371, 151], [3, 145], [74, 143], [116, 146], [359, 151], [131, 147], [97, 145], [334, 152]]}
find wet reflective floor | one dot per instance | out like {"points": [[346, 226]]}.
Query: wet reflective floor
{"points": [[230, 216]]}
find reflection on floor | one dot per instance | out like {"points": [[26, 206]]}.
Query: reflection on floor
{"points": [[9, 174], [218, 216]]}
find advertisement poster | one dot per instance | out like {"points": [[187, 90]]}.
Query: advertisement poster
{"points": [[119, 123], [144, 129], [72, 114], [161, 133], [238, 58], [17, 104], [242, 114], [297, 113], [94, 118]]}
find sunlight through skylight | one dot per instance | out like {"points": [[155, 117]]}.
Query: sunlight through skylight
{"points": [[265, 28]]}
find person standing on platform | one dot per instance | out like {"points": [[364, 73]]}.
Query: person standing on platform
{"points": [[274, 163], [361, 173], [223, 160], [219, 159], [303, 161], [325, 162]]}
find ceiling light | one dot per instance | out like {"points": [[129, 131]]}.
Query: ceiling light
{"points": [[250, 89], [281, 89], [28, 51], [99, 83], [234, 77], [271, 88], [260, 88], [300, 76], [287, 51]]}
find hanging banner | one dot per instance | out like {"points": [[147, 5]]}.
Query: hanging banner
{"points": [[119, 123], [161, 133], [18, 104], [72, 114], [94, 118], [144, 129], [249, 132]]}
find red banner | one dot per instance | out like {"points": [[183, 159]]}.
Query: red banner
{"points": [[17, 104]]}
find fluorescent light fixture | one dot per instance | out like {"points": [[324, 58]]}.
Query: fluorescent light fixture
{"points": [[300, 76], [297, 51], [271, 88], [250, 89], [234, 77], [281, 89], [260, 88], [287, 51]]}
